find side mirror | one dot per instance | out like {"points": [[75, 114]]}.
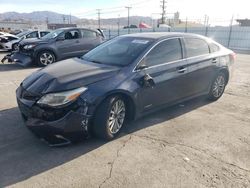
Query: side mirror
{"points": [[60, 38], [148, 81]]}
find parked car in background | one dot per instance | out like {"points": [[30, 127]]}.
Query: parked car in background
{"points": [[3, 33], [12, 44], [57, 45], [121, 80], [4, 39], [15, 32]]}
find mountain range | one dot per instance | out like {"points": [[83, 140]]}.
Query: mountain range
{"points": [[37, 16], [53, 17]]}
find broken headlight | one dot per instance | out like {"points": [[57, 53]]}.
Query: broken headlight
{"points": [[29, 46], [61, 98]]}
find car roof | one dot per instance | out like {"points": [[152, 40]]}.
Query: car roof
{"points": [[69, 28], [160, 35]]}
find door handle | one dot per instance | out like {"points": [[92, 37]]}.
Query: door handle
{"points": [[182, 70], [214, 60]]}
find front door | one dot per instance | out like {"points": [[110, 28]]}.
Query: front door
{"points": [[167, 68]]}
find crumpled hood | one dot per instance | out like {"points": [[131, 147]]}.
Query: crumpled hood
{"points": [[66, 75], [33, 41]]}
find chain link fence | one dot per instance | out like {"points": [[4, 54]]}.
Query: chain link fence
{"points": [[232, 36]]}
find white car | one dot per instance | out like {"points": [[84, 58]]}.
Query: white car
{"points": [[10, 42], [5, 38]]}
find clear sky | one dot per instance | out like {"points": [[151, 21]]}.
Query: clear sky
{"points": [[193, 9]]}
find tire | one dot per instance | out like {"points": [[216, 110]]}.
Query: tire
{"points": [[45, 58], [108, 118], [217, 87], [15, 47]]}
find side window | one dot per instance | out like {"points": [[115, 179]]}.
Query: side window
{"points": [[196, 47], [73, 34], [88, 34], [44, 33], [32, 35], [214, 47], [166, 51]]}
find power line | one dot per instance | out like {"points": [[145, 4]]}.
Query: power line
{"points": [[91, 12]]}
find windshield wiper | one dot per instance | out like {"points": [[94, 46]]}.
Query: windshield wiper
{"points": [[90, 60], [98, 62]]}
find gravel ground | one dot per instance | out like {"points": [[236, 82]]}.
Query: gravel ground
{"points": [[194, 144]]}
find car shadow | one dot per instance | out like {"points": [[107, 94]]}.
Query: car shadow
{"points": [[23, 155], [13, 67]]}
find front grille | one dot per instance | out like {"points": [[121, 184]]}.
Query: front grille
{"points": [[52, 114]]}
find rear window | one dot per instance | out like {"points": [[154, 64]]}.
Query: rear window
{"points": [[196, 47]]}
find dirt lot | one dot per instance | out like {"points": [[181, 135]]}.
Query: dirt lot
{"points": [[195, 144]]}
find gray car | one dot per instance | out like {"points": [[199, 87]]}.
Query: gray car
{"points": [[57, 45]]}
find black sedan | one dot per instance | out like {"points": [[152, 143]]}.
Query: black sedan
{"points": [[121, 80]]}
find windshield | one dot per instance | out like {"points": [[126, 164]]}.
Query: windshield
{"points": [[120, 51], [53, 34]]}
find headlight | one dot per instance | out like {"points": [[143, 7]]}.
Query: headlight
{"points": [[57, 99], [29, 46]]}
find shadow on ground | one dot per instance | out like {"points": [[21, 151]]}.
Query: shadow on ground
{"points": [[12, 66], [23, 155]]}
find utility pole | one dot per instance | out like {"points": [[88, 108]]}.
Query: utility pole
{"points": [[230, 31], [163, 14], [64, 19], [118, 25], [128, 18], [206, 24], [99, 18]]}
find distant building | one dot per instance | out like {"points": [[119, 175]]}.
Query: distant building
{"points": [[52, 26], [244, 22], [11, 25]]}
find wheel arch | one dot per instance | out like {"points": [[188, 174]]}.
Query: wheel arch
{"points": [[226, 72], [44, 50], [129, 101]]}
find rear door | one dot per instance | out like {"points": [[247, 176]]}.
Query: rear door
{"points": [[71, 45], [90, 39], [201, 66], [167, 68]]}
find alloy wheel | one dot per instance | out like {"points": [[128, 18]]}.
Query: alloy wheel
{"points": [[16, 47], [46, 58], [218, 86], [116, 116]]}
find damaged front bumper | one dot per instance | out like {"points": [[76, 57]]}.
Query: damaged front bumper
{"points": [[19, 58], [56, 127], [70, 128]]}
